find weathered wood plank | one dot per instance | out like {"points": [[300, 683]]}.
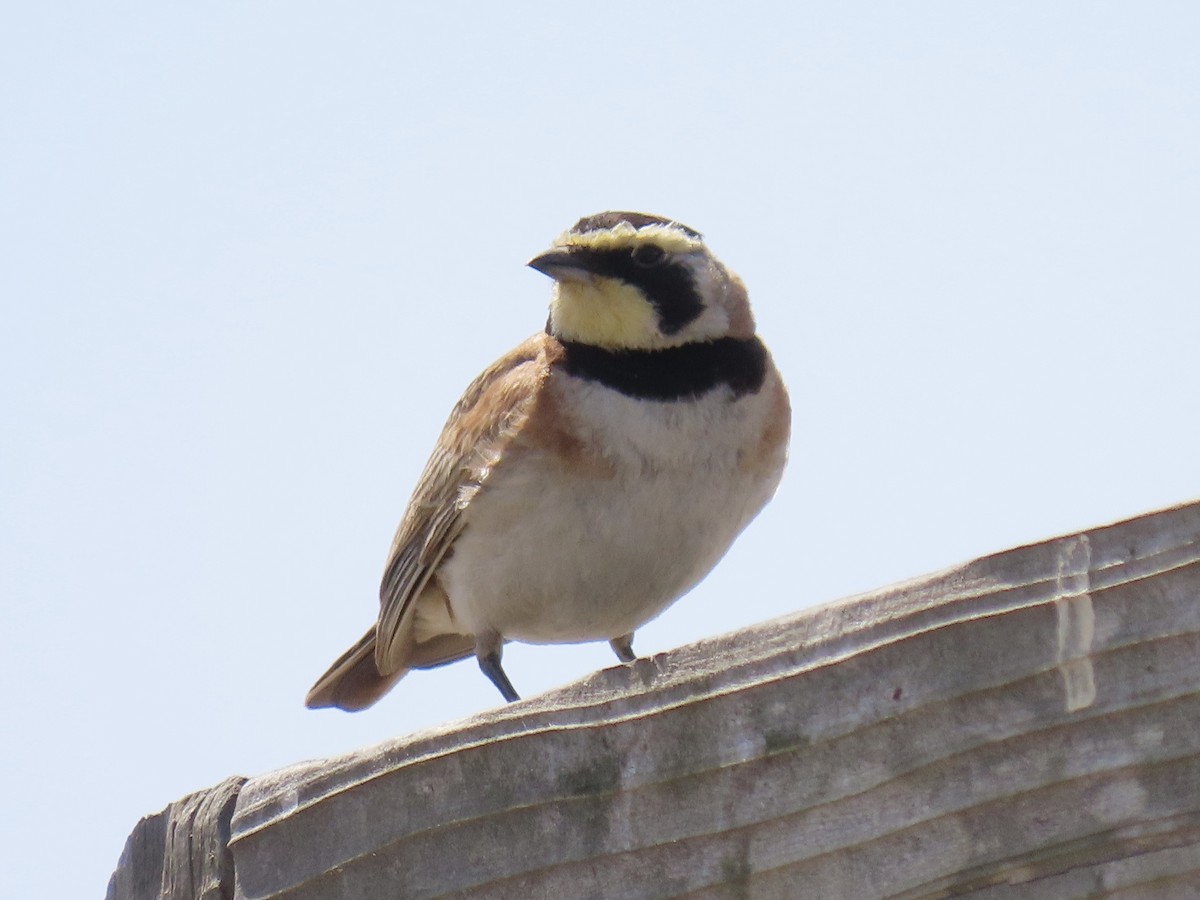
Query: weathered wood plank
{"points": [[1018, 719], [181, 853], [1021, 726]]}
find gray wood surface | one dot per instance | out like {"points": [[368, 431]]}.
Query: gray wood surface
{"points": [[1025, 725], [181, 853]]}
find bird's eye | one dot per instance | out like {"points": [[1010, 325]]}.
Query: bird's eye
{"points": [[647, 255]]}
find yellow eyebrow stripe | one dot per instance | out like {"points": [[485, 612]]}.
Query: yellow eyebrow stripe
{"points": [[625, 235]]}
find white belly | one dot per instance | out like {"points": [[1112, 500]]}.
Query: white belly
{"points": [[550, 555]]}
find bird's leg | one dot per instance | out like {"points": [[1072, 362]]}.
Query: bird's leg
{"points": [[623, 647], [490, 665], [487, 650]]}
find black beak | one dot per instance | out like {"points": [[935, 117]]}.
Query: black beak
{"points": [[561, 265]]}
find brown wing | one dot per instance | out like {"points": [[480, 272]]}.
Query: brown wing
{"points": [[490, 414]]}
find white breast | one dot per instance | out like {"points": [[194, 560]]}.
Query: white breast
{"points": [[553, 554]]}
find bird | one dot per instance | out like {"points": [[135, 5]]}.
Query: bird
{"points": [[592, 475]]}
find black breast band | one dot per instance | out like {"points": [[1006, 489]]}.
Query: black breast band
{"points": [[675, 373]]}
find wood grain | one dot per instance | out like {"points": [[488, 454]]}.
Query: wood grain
{"points": [[181, 853], [1025, 725]]}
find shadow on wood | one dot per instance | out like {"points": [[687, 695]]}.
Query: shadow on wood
{"points": [[1024, 725]]}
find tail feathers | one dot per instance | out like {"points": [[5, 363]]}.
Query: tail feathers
{"points": [[353, 682]]}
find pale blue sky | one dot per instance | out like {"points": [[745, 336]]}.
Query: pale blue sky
{"points": [[253, 252]]}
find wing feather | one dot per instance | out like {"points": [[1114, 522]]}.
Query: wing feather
{"points": [[489, 415]]}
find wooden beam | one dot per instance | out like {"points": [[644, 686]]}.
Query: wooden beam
{"points": [[181, 853], [1025, 725]]}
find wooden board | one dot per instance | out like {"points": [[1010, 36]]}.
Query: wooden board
{"points": [[181, 853], [1025, 725]]}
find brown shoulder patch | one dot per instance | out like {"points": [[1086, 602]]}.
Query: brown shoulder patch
{"points": [[772, 445], [551, 426]]}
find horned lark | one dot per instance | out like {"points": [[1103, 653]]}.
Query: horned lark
{"points": [[591, 476]]}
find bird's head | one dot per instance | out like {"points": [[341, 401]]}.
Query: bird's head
{"points": [[626, 280]]}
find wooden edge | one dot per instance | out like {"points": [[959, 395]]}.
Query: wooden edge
{"points": [[181, 853]]}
